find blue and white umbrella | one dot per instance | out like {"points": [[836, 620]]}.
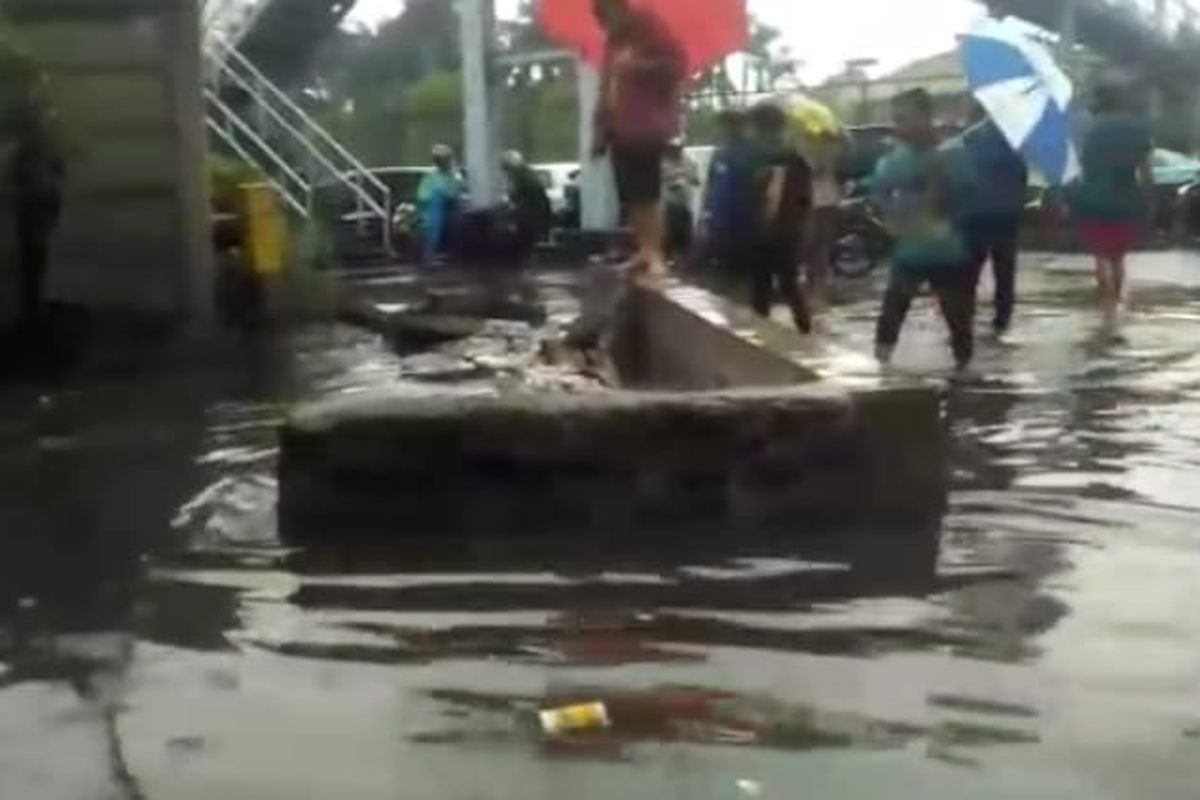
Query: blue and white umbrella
{"points": [[1026, 94]]}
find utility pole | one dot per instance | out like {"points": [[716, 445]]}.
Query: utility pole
{"points": [[858, 68], [477, 24], [1068, 35], [596, 188]]}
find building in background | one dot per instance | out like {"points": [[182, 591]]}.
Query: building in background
{"points": [[862, 99]]}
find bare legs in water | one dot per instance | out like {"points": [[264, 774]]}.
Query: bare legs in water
{"points": [[1110, 279], [647, 223]]}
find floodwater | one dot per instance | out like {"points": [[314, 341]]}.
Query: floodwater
{"points": [[158, 640]]}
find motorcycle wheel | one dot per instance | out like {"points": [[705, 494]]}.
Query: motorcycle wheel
{"points": [[854, 256]]}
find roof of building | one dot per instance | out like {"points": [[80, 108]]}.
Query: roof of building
{"points": [[939, 66]]}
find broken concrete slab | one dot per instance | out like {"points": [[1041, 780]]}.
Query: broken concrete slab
{"points": [[774, 450], [607, 462]]}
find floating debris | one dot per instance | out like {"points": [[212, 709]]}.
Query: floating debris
{"points": [[570, 719]]}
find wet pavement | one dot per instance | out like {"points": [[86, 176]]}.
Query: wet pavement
{"points": [[159, 640]]}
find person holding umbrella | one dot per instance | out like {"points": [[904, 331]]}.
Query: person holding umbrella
{"points": [[993, 215], [1028, 99], [638, 115]]}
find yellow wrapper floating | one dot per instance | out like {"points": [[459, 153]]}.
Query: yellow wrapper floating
{"points": [[571, 719]]}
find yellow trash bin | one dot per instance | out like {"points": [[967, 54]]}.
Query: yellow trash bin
{"points": [[265, 240]]}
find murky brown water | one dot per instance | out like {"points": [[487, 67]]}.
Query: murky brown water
{"points": [[157, 640]]}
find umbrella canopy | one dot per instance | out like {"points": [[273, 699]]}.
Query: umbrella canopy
{"points": [[1026, 94], [707, 30], [811, 117]]}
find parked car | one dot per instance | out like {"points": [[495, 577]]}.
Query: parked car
{"points": [[1174, 169], [356, 232], [556, 177], [1175, 175]]}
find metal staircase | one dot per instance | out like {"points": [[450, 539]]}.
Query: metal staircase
{"points": [[251, 116]]}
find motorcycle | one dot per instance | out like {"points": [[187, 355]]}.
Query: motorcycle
{"points": [[862, 242]]}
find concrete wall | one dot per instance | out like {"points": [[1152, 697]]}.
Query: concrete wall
{"points": [[126, 77], [763, 461], [781, 454], [652, 326]]}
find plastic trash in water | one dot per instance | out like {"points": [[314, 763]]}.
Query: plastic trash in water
{"points": [[574, 719]]}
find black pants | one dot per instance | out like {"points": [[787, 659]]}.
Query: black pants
{"points": [[34, 219], [994, 237], [775, 271], [954, 286], [679, 225], [637, 169]]}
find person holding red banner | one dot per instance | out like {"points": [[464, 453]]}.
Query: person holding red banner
{"points": [[638, 115]]}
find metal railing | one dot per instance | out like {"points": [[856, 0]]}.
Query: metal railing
{"points": [[245, 141], [268, 129]]}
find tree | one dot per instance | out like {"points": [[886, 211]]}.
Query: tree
{"points": [[393, 93], [366, 66], [774, 63]]}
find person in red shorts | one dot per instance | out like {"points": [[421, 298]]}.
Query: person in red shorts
{"points": [[637, 117], [1111, 201]]}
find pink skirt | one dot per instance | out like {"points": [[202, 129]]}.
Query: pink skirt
{"points": [[1109, 239]]}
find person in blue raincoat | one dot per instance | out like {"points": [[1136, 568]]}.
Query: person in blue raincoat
{"points": [[727, 214], [437, 200]]}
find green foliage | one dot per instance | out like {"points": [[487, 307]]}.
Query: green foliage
{"points": [[433, 110], [27, 105], [17, 67], [372, 68], [393, 94], [18, 76]]}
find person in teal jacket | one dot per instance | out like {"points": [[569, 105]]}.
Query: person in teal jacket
{"points": [[1112, 201], [437, 200], [922, 189]]}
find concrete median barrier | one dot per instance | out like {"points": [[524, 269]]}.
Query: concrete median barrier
{"points": [[710, 431]]}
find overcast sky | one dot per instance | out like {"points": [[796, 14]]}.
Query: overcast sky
{"points": [[822, 34]]}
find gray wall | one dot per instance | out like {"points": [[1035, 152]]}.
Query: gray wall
{"points": [[126, 76], [652, 325]]}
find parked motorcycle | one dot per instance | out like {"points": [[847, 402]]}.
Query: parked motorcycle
{"points": [[863, 242]]}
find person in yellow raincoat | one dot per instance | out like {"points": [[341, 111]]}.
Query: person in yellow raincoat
{"points": [[820, 138]]}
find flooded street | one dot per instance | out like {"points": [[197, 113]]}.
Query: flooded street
{"points": [[159, 640]]}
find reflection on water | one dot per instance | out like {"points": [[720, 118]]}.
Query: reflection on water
{"points": [[1042, 644]]}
